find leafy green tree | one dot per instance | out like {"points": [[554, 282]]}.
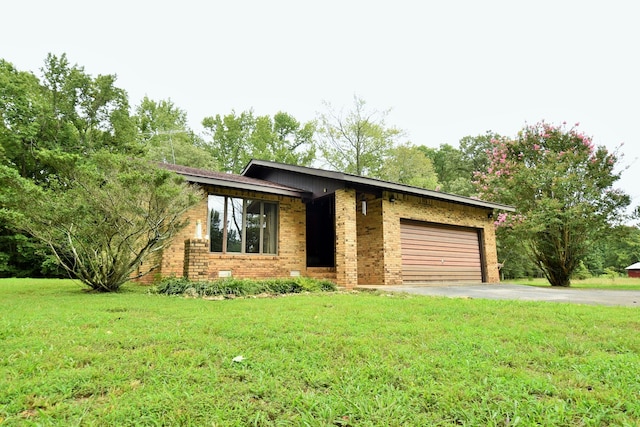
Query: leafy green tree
{"points": [[283, 139], [453, 171], [618, 250], [229, 144], [66, 111], [357, 142], [409, 165], [455, 167], [475, 151], [235, 139], [22, 108], [85, 113], [562, 186], [103, 216], [165, 136]]}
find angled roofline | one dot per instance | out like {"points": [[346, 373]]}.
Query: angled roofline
{"points": [[635, 266], [235, 181], [372, 182]]}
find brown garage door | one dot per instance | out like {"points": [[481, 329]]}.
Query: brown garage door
{"points": [[439, 253]]}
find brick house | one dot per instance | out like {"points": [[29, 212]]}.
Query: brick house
{"points": [[278, 220]]}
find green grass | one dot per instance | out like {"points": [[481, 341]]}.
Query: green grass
{"points": [[618, 283], [69, 357]]}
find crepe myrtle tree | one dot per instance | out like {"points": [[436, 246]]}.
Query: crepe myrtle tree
{"points": [[104, 216], [562, 186]]}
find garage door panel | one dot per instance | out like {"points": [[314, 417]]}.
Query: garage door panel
{"points": [[436, 260], [441, 246], [439, 253]]}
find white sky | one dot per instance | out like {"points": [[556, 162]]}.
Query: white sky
{"points": [[447, 69]]}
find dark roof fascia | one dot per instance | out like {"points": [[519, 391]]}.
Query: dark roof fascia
{"points": [[256, 184], [244, 186], [379, 184]]}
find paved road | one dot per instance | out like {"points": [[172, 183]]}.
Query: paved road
{"points": [[524, 293]]}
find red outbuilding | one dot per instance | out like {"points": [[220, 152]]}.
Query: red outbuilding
{"points": [[634, 270]]}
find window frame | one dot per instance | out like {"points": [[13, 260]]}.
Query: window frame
{"points": [[226, 216]]}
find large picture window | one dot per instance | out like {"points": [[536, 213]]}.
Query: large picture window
{"points": [[242, 225]]}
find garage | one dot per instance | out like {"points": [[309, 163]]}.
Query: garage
{"points": [[436, 253]]}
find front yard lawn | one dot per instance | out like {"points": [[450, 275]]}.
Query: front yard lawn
{"points": [[69, 357], [619, 283]]}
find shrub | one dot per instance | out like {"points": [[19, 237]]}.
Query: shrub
{"points": [[582, 272], [242, 287]]}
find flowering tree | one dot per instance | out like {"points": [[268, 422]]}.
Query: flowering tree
{"points": [[562, 186]]}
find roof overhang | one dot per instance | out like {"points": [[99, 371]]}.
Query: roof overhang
{"points": [[359, 181], [244, 186], [233, 181]]}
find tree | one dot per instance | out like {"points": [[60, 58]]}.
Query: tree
{"points": [[409, 165], [66, 111], [229, 144], [165, 136], [475, 151], [283, 139], [356, 142], [236, 139], [562, 186], [453, 171], [22, 107], [85, 113], [104, 216]]}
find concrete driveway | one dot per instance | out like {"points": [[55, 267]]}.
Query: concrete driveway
{"points": [[522, 293]]}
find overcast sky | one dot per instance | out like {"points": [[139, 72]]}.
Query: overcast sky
{"points": [[446, 69]]}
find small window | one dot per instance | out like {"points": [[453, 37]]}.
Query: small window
{"points": [[242, 225]]}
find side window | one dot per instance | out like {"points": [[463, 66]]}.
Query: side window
{"points": [[216, 223], [234, 224], [242, 225]]}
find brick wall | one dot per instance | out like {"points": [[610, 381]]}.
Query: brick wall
{"points": [[370, 234], [346, 238], [204, 265], [419, 209], [196, 260]]}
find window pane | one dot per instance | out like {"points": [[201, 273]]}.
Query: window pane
{"points": [[270, 228], [252, 243], [234, 224], [216, 217]]}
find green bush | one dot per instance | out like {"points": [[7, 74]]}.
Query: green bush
{"points": [[581, 273], [242, 287]]}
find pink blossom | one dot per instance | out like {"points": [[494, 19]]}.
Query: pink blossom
{"points": [[536, 147]]}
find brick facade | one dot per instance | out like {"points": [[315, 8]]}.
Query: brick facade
{"points": [[367, 248], [370, 231], [189, 256], [346, 238]]}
